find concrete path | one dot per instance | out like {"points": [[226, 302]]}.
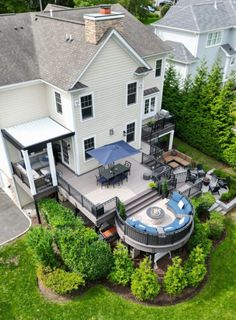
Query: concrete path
{"points": [[13, 222]]}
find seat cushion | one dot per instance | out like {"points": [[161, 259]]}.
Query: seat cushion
{"points": [[131, 222], [140, 226], [188, 209], [183, 221], [151, 230], [176, 196]]}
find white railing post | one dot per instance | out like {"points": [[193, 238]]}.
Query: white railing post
{"points": [[29, 171], [52, 164], [171, 140]]}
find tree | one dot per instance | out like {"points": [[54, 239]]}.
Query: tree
{"points": [[123, 266], [195, 267], [175, 279], [144, 282]]}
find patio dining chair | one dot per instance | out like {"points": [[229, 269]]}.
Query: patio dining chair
{"points": [[100, 170], [102, 181], [128, 165], [116, 180], [124, 176]]}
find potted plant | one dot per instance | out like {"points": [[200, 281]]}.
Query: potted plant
{"points": [[121, 209], [164, 189]]}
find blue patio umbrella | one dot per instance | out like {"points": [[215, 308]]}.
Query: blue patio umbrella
{"points": [[112, 152]]}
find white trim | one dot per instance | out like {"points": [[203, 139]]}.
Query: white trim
{"points": [[29, 171], [182, 62], [156, 68], [149, 97], [218, 43], [20, 85], [52, 164], [192, 31], [124, 42], [126, 97], [80, 106], [101, 17], [76, 153], [135, 131], [89, 137]]}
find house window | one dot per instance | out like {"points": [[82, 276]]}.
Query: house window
{"points": [[88, 145], [58, 102], [232, 61], [158, 68], [214, 38], [131, 93], [130, 132], [149, 105], [86, 107], [65, 151]]}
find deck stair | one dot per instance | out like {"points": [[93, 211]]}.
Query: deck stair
{"points": [[141, 201]]}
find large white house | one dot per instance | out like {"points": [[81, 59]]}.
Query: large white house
{"points": [[72, 80], [197, 30]]}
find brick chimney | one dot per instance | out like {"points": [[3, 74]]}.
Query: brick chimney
{"points": [[96, 24]]}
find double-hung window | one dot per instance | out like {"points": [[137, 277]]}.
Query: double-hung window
{"points": [[214, 38], [89, 144], [130, 132], [149, 106], [58, 102], [158, 68], [131, 93], [86, 106]]}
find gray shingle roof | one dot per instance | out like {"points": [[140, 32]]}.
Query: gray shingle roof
{"points": [[229, 50], [180, 52], [39, 50], [200, 16], [149, 91]]}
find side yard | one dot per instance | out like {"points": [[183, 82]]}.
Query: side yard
{"points": [[20, 297]]}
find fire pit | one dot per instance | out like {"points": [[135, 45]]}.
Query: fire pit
{"points": [[156, 213]]}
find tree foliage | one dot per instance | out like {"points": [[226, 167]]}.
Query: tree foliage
{"points": [[202, 108], [175, 280], [195, 267], [144, 282], [40, 240], [123, 266]]}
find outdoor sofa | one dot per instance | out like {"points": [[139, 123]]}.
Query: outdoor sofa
{"points": [[178, 157], [179, 205]]}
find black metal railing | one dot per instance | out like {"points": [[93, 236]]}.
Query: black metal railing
{"points": [[192, 190], [41, 183], [97, 210], [160, 126], [153, 240]]}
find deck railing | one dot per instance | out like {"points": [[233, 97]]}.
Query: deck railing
{"points": [[152, 240], [97, 210], [193, 190]]}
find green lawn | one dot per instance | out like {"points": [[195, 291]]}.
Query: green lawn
{"points": [[200, 157], [20, 298]]}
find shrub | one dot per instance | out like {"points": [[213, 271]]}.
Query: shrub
{"points": [[216, 225], [228, 196], [96, 260], [152, 185], [41, 242], [200, 237], [121, 209], [203, 203], [195, 267], [59, 216], [175, 279], [164, 9], [144, 282], [60, 281], [123, 266]]}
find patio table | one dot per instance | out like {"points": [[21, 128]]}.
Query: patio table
{"points": [[118, 169]]}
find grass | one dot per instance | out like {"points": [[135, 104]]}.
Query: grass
{"points": [[200, 157], [20, 297], [150, 20]]}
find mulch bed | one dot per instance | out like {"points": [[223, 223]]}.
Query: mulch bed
{"points": [[163, 299]]}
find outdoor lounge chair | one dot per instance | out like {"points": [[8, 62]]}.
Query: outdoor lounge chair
{"points": [[200, 171]]}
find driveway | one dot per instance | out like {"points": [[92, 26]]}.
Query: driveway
{"points": [[13, 222]]}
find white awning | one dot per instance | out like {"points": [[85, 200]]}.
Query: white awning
{"points": [[36, 132]]}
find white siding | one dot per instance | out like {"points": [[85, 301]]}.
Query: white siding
{"points": [[66, 118], [107, 79], [189, 39], [22, 104]]}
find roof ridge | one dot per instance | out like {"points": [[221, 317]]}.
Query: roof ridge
{"points": [[194, 18]]}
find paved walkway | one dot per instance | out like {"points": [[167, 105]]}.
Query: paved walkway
{"points": [[13, 222]]}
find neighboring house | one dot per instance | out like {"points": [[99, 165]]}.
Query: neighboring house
{"points": [[197, 30], [72, 80]]}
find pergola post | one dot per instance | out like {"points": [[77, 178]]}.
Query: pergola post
{"points": [[171, 140], [29, 171], [52, 164]]}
